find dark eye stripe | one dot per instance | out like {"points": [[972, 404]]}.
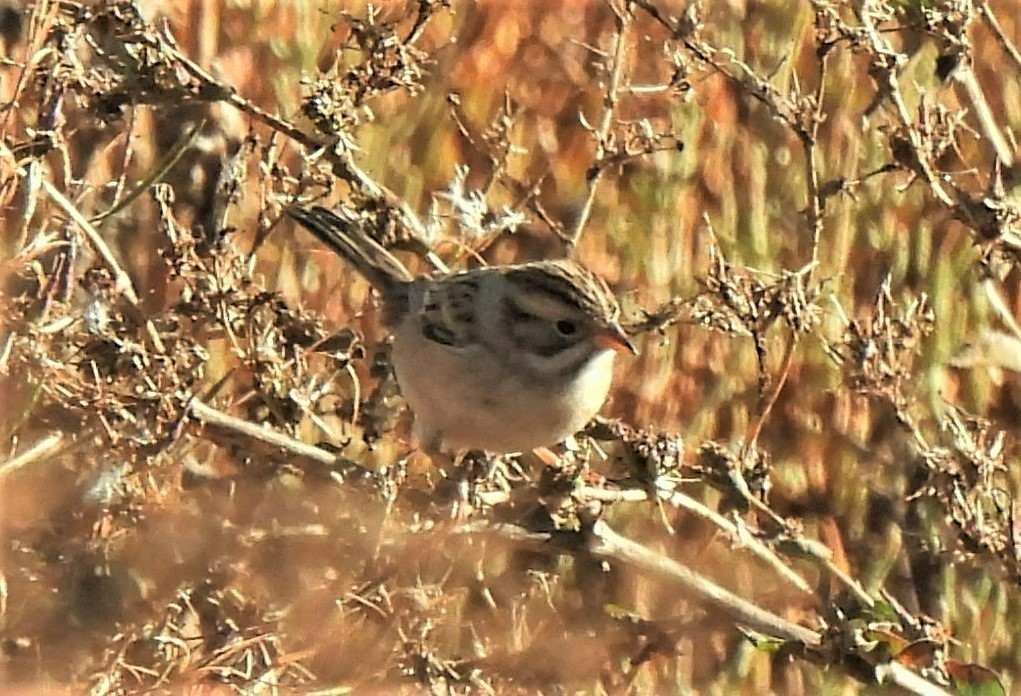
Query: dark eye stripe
{"points": [[514, 311]]}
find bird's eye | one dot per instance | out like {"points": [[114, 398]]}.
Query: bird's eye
{"points": [[566, 327]]}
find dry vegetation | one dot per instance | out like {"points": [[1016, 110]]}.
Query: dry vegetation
{"points": [[810, 209]]}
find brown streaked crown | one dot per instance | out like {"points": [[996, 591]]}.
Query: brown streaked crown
{"points": [[569, 283]]}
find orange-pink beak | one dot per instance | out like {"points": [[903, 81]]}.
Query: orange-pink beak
{"points": [[614, 338]]}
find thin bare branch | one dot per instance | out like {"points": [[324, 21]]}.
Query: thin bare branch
{"points": [[45, 447], [602, 135]]}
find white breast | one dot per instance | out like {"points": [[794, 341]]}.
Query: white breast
{"points": [[468, 398]]}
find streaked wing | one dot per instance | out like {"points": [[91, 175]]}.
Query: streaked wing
{"points": [[447, 309]]}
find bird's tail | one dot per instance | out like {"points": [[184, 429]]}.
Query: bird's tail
{"points": [[368, 256]]}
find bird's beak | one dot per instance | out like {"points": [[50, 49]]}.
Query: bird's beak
{"points": [[614, 338]]}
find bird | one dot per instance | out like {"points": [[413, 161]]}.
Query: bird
{"points": [[503, 358]]}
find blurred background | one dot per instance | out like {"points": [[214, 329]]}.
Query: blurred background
{"points": [[796, 238]]}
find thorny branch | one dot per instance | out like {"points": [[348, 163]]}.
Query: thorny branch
{"points": [[602, 134]]}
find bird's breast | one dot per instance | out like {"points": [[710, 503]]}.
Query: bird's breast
{"points": [[471, 397]]}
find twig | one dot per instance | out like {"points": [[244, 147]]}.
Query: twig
{"points": [[211, 416], [606, 544], [965, 77], [1001, 36], [122, 281], [603, 542], [343, 161], [207, 415], [740, 537], [768, 401], [45, 447], [159, 171], [884, 71], [743, 77], [623, 20], [895, 673], [808, 142], [1001, 307]]}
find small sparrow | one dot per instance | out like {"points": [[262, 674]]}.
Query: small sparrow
{"points": [[503, 358]]}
